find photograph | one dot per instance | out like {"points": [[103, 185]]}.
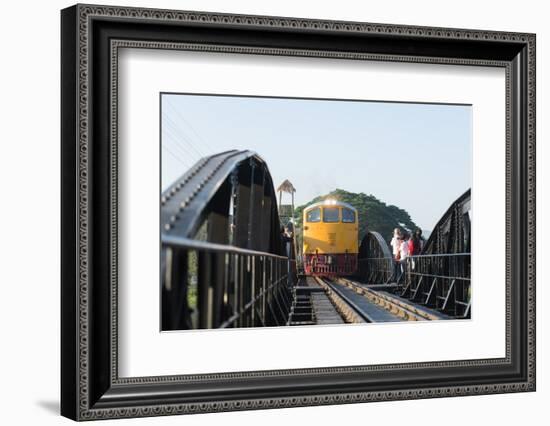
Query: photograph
{"points": [[266, 209], [279, 211]]}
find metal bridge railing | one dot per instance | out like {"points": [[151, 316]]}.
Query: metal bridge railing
{"points": [[208, 285], [438, 281]]}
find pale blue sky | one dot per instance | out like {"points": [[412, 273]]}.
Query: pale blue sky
{"points": [[415, 156]]}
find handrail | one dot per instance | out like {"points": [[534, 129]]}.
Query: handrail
{"points": [[188, 243], [418, 256]]}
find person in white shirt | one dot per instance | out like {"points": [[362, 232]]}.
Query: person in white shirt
{"points": [[403, 254], [395, 243]]}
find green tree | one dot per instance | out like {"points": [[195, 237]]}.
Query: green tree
{"points": [[374, 215]]}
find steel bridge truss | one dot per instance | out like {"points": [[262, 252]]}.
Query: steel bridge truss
{"points": [[224, 262], [438, 278]]}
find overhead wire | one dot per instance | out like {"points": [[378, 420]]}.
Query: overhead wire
{"points": [[183, 149], [185, 121], [181, 134], [177, 140], [182, 162]]}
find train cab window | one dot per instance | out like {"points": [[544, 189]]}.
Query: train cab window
{"points": [[348, 215], [314, 215], [331, 214]]}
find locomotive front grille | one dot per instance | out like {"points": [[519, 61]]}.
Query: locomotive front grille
{"points": [[337, 264]]}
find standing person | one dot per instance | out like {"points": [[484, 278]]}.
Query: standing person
{"points": [[284, 239], [418, 234], [403, 254], [289, 229], [287, 247], [395, 243], [414, 247]]}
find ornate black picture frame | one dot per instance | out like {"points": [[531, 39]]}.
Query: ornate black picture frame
{"points": [[91, 387]]}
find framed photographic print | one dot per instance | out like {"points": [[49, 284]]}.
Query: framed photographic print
{"points": [[263, 212]]}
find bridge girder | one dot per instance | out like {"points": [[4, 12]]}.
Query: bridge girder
{"points": [[223, 259]]}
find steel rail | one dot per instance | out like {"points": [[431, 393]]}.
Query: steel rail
{"points": [[399, 311], [396, 306], [346, 307]]}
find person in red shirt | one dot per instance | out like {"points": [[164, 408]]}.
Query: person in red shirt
{"points": [[418, 235], [411, 246], [415, 247]]}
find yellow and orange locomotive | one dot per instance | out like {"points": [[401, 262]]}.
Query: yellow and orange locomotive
{"points": [[331, 233]]}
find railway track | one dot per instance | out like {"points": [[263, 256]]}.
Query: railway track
{"points": [[353, 307], [320, 300], [395, 304], [357, 303]]}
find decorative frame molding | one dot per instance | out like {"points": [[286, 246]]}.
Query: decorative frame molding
{"points": [[91, 37]]}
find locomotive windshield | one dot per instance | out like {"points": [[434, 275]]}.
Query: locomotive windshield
{"points": [[314, 215], [348, 215], [331, 214]]}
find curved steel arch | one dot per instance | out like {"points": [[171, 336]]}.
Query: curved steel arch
{"points": [[233, 193], [374, 245], [375, 259], [224, 260], [452, 233]]}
